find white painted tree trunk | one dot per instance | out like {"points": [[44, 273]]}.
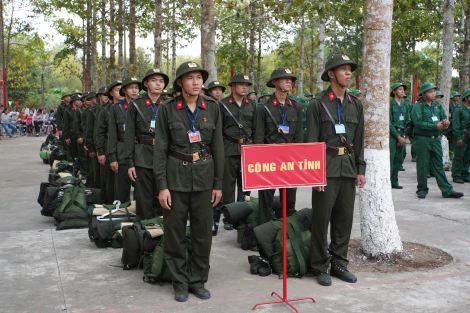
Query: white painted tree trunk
{"points": [[445, 154], [379, 230], [208, 59], [321, 54]]}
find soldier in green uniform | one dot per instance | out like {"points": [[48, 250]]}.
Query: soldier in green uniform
{"points": [[93, 179], [265, 95], [203, 90], [309, 96], [454, 102], [216, 90], [277, 121], [175, 93], [460, 126], [130, 89], [336, 118], [189, 165], [59, 116], [251, 95], [70, 136], [439, 97], [101, 143], [77, 127], [399, 117], [304, 102], [165, 94], [430, 119], [139, 139]]}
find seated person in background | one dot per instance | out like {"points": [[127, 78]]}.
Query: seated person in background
{"points": [[7, 125], [22, 117], [38, 121], [29, 124]]}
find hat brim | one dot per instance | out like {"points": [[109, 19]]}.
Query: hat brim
{"points": [[223, 88], [240, 82], [124, 86], [325, 77], [427, 89], [402, 85], [165, 78], [270, 82], [205, 75]]}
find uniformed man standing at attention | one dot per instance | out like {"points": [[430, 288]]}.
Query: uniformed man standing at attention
{"points": [[139, 139], [265, 95], [309, 96], [70, 136], [251, 94], [189, 166], [430, 119], [461, 126], [78, 129], [336, 118], [399, 117], [117, 126], [216, 90], [93, 165], [278, 121], [59, 116]]}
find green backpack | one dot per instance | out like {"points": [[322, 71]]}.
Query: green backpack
{"points": [[71, 212]]}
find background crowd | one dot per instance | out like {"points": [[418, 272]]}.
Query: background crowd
{"points": [[26, 121]]}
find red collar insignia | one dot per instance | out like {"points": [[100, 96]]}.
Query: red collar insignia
{"points": [[179, 105], [349, 98], [275, 102], [246, 101], [230, 101], [63, 104], [204, 119], [331, 95], [147, 102], [73, 108], [160, 101], [125, 106], [203, 105], [290, 102]]}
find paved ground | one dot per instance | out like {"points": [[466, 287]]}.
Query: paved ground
{"points": [[48, 271]]}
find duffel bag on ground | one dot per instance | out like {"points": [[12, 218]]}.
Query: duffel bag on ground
{"points": [[71, 212], [50, 194]]}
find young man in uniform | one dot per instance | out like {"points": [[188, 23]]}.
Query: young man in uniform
{"points": [[430, 119], [265, 96], [101, 143], [216, 90], [336, 118], [399, 117], [139, 140], [93, 164], [189, 165], [251, 94], [461, 126], [117, 126], [59, 116], [278, 121], [165, 94], [70, 136], [309, 96], [77, 127]]}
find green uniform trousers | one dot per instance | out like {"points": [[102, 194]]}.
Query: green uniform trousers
{"points": [[266, 197], [146, 194], [397, 157], [195, 270], [107, 183], [413, 148], [82, 160], [461, 161], [334, 206], [232, 178], [122, 184], [93, 173], [429, 160], [72, 152]]}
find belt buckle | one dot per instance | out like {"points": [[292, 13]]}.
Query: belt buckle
{"points": [[341, 150], [196, 156], [153, 141], [241, 140]]}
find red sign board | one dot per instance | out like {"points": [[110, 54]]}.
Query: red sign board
{"points": [[283, 165]]}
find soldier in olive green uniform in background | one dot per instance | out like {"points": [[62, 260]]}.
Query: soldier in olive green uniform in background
{"points": [[78, 129], [59, 117], [93, 164], [101, 143], [278, 120], [265, 96], [309, 96], [342, 129], [399, 117], [166, 94], [117, 126], [460, 126], [216, 90], [430, 120], [70, 135], [189, 165], [454, 102], [139, 140], [251, 95]]}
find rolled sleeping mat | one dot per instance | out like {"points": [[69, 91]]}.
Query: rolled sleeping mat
{"points": [[265, 235], [237, 211]]}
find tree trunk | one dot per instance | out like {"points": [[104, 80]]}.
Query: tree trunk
{"points": [[465, 80], [310, 65], [103, 42], [251, 69], [300, 83], [173, 42], [379, 231], [321, 54], [258, 83], [120, 39], [112, 51], [208, 59], [132, 48], [446, 71], [403, 66], [94, 50], [157, 35], [2, 55]]}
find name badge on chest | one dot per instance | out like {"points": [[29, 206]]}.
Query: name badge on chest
{"points": [[284, 128], [402, 118], [152, 124], [340, 129], [434, 118], [194, 136]]}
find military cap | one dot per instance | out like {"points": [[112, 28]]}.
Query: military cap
{"points": [[92, 94], [355, 92], [317, 94], [466, 93], [126, 82], [280, 72], [101, 91], [155, 71], [395, 86], [75, 97], [111, 86], [76, 92], [439, 94], [240, 78], [165, 92], [303, 101], [204, 87], [188, 67], [66, 95], [425, 87], [334, 61], [250, 92], [214, 84], [454, 94], [84, 95], [308, 94]]}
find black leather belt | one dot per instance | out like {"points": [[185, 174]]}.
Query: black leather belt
{"points": [[145, 141], [121, 139], [238, 140], [192, 157]]}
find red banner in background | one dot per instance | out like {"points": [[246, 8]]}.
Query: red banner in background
{"points": [[283, 165]]}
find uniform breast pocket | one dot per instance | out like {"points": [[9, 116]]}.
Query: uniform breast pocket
{"points": [[351, 126], [120, 123], [292, 121], [247, 119], [326, 126], [206, 130], [178, 132]]}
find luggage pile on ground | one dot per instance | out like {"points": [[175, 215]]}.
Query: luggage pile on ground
{"points": [[52, 143]]}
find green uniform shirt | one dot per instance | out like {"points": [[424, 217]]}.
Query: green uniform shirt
{"points": [[90, 128], [397, 124], [137, 154], [460, 121], [421, 115], [77, 123], [69, 115], [321, 129], [172, 133], [244, 114], [116, 129], [266, 131], [101, 140], [59, 116], [453, 106]]}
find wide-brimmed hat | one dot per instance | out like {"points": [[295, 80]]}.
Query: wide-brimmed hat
{"points": [[188, 67], [101, 91], [355, 92], [280, 72], [111, 86], [214, 84], [75, 97], [155, 71], [438, 94], [334, 61], [454, 94], [128, 81], [395, 86], [240, 78], [425, 87], [466, 93]]}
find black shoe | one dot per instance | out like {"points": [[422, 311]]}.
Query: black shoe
{"points": [[247, 237], [341, 272], [421, 196], [402, 169], [413, 159], [458, 181], [455, 195], [397, 187], [200, 292], [255, 262], [466, 179], [216, 220], [228, 226], [181, 296], [323, 278], [264, 268]]}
